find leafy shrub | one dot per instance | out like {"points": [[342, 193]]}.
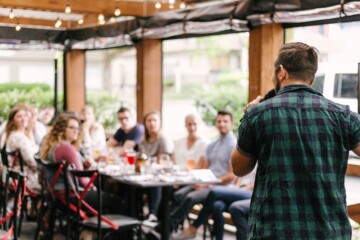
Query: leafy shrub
{"points": [[229, 95], [36, 96], [26, 87]]}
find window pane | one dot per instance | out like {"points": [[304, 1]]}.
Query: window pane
{"points": [[110, 82]]}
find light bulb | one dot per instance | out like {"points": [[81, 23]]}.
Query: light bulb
{"points": [[171, 6], [171, 1], [102, 22], [81, 21], [68, 8], [18, 27], [11, 14], [182, 5], [158, 5], [58, 23], [117, 11], [112, 19], [101, 17]]}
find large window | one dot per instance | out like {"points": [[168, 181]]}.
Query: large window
{"points": [[110, 82], [28, 77], [203, 75]]}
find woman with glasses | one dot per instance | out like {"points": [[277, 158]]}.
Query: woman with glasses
{"points": [[62, 143]]}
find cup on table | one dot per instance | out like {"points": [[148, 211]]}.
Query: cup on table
{"points": [[130, 157], [190, 164]]}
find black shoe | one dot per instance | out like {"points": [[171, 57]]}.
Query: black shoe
{"points": [[153, 235]]}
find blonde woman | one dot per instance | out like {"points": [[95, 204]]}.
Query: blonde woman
{"points": [[93, 133], [18, 136]]}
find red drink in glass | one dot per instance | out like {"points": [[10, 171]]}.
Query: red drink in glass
{"points": [[130, 158]]}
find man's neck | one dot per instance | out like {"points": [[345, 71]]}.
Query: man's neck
{"points": [[289, 82], [128, 129]]}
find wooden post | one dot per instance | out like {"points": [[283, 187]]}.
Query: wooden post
{"points": [[149, 77], [265, 43], [74, 86]]}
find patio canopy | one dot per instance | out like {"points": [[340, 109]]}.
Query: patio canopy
{"points": [[197, 19]]}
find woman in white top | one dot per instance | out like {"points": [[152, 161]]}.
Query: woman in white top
{"points": [[19, 137], [190, 149], [93, 133]]}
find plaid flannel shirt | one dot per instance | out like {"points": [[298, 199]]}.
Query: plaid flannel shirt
{"points": [[301, 141]]}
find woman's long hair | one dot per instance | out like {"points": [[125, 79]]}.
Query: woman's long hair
{"points": [[147, 134], [57, 134], [10, 126]]}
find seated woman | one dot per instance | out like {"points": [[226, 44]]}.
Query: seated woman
{"points": [[62, 143], [93, 134], [154, 144], [190, 149], [18, 136]]}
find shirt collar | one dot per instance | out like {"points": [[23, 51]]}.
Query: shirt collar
{"points": [[298, 87]]}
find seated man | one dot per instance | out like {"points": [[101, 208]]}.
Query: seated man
{"points": [[217, 159], [220, 199], [130, 134]]}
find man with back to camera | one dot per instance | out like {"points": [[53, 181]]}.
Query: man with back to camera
{"points": [[301, 143], [130, 133]]}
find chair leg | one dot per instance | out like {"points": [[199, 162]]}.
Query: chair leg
{"points": [[22, 211]]}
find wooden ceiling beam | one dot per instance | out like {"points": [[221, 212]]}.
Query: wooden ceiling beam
{"points": [[107, 7]]}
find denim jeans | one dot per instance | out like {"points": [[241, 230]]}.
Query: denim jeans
{"points": [[218, 201], [239, 211]]}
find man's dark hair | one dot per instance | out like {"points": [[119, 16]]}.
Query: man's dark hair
{"points": [[225, 113], [123, 109], [300, 61]]}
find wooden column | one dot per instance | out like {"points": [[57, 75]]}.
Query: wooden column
{"points": [[74, 80], [149, 77], [265, 42]]}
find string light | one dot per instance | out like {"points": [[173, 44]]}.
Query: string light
{"points": [[158, 5], [11, 14], [101, 17], [171, 1], [182, 5], [58, 23], [81, 21], [68, 8], [171, 6], [112, 19], [117, 11], [17, 27]]}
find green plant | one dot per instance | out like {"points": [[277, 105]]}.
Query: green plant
{"points": [[229, 95], [36, 96], [26, 87]]}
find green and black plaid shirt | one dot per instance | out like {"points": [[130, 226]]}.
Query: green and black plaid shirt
{"points": [[301, 141]]}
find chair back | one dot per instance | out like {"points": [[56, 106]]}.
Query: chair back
{"points": [[95, 180], [14, 183], [17, 158]]}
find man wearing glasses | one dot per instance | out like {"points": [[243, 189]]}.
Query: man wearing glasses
{"points": [[130, 133]]}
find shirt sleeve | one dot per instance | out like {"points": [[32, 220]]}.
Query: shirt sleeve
{"points": [[67, 153], [354, 135], [166, 145], [139, 133], [246, 138], [118, 137]]}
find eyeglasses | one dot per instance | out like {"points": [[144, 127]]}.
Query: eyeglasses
{"points": [[123, 118], [74, 128]]}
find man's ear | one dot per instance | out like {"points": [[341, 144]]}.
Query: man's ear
{"points": [[282, 73]]}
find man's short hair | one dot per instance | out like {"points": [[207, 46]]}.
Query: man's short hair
{"points": [[123, 109], [225, 113], [300, 61]]}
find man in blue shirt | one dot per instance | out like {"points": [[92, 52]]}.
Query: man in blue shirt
{"points": [[130, 134]]}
